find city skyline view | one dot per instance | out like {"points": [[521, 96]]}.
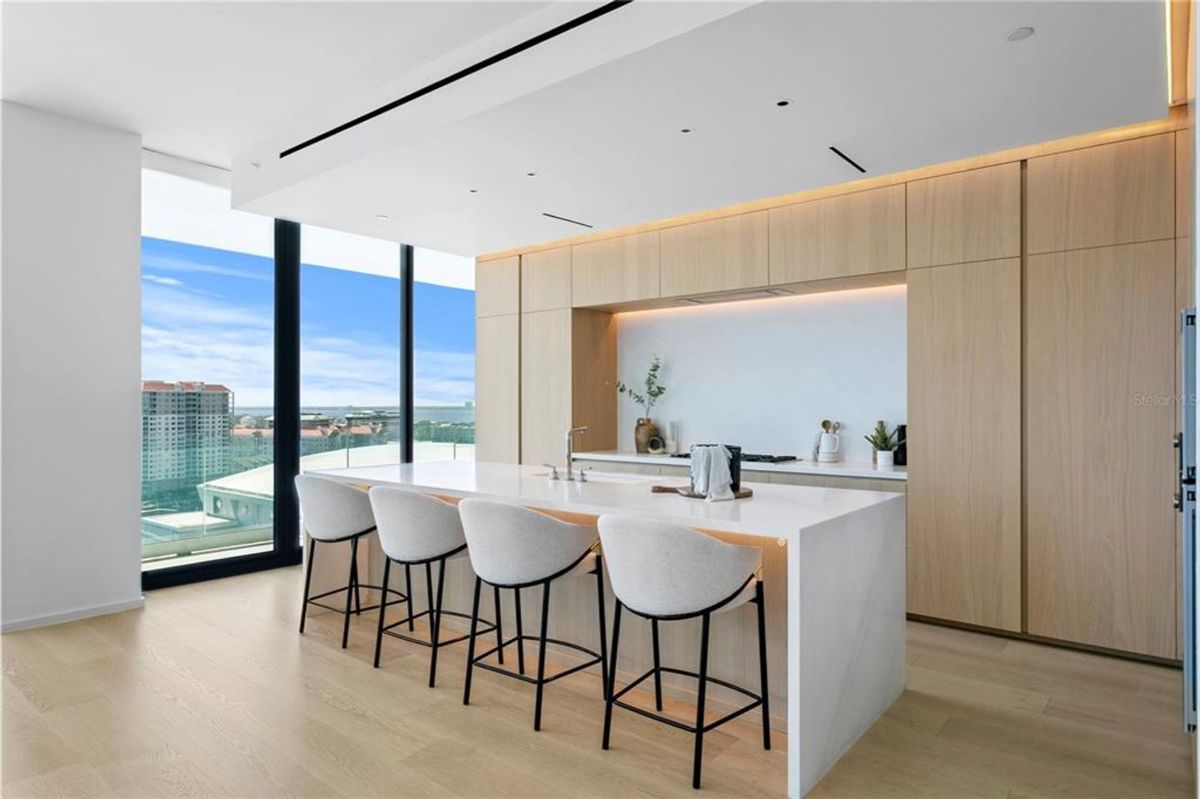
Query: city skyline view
{"points": [[208, 315]]}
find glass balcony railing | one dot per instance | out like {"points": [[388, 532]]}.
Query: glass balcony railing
{"points": [[226, 506]]}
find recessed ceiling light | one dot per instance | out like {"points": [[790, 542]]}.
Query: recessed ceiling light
{"points": [[381, 217], [473, 191], [783, 103], [1017, 34], [531, 174], [685, 130]]}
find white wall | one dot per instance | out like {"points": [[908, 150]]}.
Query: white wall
{"points": [[70, 337], [763, 374]]}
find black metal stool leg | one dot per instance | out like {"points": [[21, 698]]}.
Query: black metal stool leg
{"points": [[700, 702], [762, 664], [349, 591], [409, 592], [603, 635], [499, 627], [312, 547], [612, 673], [357, 590], [471, 644], [429, 592], [520, 634], [435, 621], [541, 672], [387, 570], [657, 666]]}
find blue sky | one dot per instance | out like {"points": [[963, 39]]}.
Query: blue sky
{"points": [[207, 314]]}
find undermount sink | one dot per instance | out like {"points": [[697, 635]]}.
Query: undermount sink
{"points": [[607, 477]]}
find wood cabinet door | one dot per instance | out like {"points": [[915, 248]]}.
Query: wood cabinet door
{"points": [[1109, 194], [964, 443], [967, 216], [497, 387], [852, 234], [1100, 470], [719, 255], [545, 385], [546, 280], [612, 271], [498, 286]]}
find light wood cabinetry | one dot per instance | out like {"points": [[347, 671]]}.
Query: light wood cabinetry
{"points": [[967, 216], [1099, 378], [545, 384], [610, 271], [497, 387], [964, 449], [546, 280], [1110, 194], [498, 286], [1185, 182], [568, 377], [723, 254], [853, 234]]}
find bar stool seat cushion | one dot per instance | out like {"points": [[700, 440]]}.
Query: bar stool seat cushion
{"points": [[331, 510], [661, 569], [414, 527], [511, 545]]}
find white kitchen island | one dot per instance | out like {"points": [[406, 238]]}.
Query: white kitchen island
{"points": [[843, 631]]}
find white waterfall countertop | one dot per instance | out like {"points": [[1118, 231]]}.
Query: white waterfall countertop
{"points": [[834, 580], [775, 510], [839, 469]]}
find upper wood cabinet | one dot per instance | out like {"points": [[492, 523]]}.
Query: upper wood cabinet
{"points": [[1109, 194], [546, 280], [1099, 470], [852, 234], [964, 451], [611, 271], [498, 286], [720, 255], [967, 216], [497, 388]]}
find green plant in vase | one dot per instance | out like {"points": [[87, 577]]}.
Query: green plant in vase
{"points": [[884, 444], [645, 429]]}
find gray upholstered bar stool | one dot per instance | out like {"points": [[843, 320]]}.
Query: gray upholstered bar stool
{"points": [[334, 513], [664, 572], [416, 529], [514, 547]]}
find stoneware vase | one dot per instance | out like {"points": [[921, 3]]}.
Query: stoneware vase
{"points": [[885, 459], [642, 433]]}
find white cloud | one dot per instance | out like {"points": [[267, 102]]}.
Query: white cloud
{"points": [[162, 281]]}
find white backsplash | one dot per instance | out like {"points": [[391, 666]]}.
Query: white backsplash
{"points": [[763, 374]]}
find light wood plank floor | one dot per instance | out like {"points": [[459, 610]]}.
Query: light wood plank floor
{"points": [[210, 691]]}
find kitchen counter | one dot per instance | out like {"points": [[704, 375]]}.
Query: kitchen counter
{"points": [[850, 469], [834, 584]]}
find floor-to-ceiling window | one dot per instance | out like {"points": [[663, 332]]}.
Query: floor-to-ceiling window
{"points": [[208, 282], [443, 356], [351, 407]]}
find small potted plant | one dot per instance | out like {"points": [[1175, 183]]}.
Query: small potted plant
{"points": [[645, 429], [884, 444]]}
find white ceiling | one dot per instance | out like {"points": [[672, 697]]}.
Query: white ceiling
{"points": [[595, 113], [209, 80]]}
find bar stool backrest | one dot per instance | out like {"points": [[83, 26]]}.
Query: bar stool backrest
{"points": [[511, 545], [331, 510], [662, 569], [413, 526]]}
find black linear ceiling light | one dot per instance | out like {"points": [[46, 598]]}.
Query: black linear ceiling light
{"points": [[558, 30]]}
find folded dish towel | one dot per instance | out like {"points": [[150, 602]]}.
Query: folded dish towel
{"points": [[710, 472]]}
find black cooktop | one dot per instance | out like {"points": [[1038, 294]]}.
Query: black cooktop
{"points": [[752, 458]]}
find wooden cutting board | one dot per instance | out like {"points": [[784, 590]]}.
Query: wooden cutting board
{"points": [[686, 491]]}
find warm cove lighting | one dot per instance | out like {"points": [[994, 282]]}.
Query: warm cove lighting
{"points": [[813, 298]]}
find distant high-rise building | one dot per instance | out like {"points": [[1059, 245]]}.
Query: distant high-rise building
{"points": [[185, 435]]}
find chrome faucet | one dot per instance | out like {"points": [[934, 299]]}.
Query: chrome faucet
{"points": [[570, 450]]}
